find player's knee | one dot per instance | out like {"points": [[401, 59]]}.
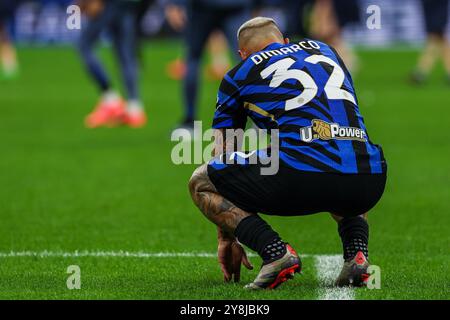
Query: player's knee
{"points": [[193, 182], [197, 179]]}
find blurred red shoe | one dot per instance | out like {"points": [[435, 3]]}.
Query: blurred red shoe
{"points": [[106, 113], [135, 118], [176, 69]]}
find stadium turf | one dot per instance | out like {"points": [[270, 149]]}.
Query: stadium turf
{"points": [[65, 188]]}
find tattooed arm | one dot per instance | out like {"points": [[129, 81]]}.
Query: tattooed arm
{"points": [[225, 142], [220, 211], [226, 216], [214, 206]]}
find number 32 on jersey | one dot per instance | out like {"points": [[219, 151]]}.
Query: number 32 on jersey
{"points": [[333, 87]]}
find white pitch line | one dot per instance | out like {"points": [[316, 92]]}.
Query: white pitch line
{"points": [[107, 254], [328, 268], [113, 254]]}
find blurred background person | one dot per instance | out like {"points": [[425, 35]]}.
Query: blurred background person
{"points": [[119, 18], [291, 16], [200, 18], [218, 51], [329, 17], [8, 56], [437, 45], [296, 17], [143, 7]]}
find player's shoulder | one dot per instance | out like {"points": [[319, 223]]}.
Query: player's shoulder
{"points": [[234, 75], [315, 46], [312, 46]]}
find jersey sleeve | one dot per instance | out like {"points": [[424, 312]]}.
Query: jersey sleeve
{"points": [[229, 113]]}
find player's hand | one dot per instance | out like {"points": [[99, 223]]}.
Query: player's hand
{"points": [[231, 255], [176, 16], [91, 8]]}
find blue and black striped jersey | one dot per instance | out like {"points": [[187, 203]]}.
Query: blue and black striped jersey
{"points": [[305, 91]]}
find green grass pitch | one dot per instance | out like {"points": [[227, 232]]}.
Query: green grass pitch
{"points": [[65, 188]]}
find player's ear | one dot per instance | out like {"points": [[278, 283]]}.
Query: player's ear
{"points": [[243, 54], [286, 40]]}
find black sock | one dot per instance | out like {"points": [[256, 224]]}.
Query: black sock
{"points": [[274, 250], [354, 233], [256, 234]]}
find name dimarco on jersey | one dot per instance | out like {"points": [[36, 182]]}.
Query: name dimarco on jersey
{"points": [[323, 130], [302, 45]]}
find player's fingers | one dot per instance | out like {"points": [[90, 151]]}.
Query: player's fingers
{"points": [[246, 262], [236, 266], [238, 260], [237, 273], [224, 255], [243, 258], [226, 273]]}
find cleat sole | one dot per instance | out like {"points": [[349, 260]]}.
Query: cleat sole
{"points": [[285, 275]]}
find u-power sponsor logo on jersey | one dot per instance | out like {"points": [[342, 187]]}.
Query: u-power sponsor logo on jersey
{"points": [[323, 130]]}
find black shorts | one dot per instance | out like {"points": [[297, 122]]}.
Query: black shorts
{"points": [[291, 192], [346, 11], [6, 10], [436, 15]]}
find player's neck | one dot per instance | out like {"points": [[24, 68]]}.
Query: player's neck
{"points": [[267, 43]]}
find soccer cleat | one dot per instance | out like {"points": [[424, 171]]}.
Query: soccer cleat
{"points": [[135, 119], [417, 78], [354, 272], [274, 273], [176, 69], [108, 114], [9, 74]]}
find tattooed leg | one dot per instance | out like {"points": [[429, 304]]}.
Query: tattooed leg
{"points": [[232, 221], [214, 206]]}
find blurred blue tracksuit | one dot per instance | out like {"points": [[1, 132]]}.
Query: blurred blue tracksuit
{"points": [[205, 16], [119, 18]]}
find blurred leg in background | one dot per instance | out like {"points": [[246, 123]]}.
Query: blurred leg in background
{"points": [[111, 106], [143, 7], [202, 18], [176, 17], [119, 18], [232, 19], [8, 56], [125, 41], [446, 57], [329, 17], [218, 51], [346, 12], [295, 18], [200, 24], [436, 46]]}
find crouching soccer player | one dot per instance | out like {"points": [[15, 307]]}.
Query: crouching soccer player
{"points": [[326, 161]]}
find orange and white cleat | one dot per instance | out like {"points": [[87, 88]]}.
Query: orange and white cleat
{"points": [[274, 273], [135, 118], [354, 272], [107, 113], [176, 69]]}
